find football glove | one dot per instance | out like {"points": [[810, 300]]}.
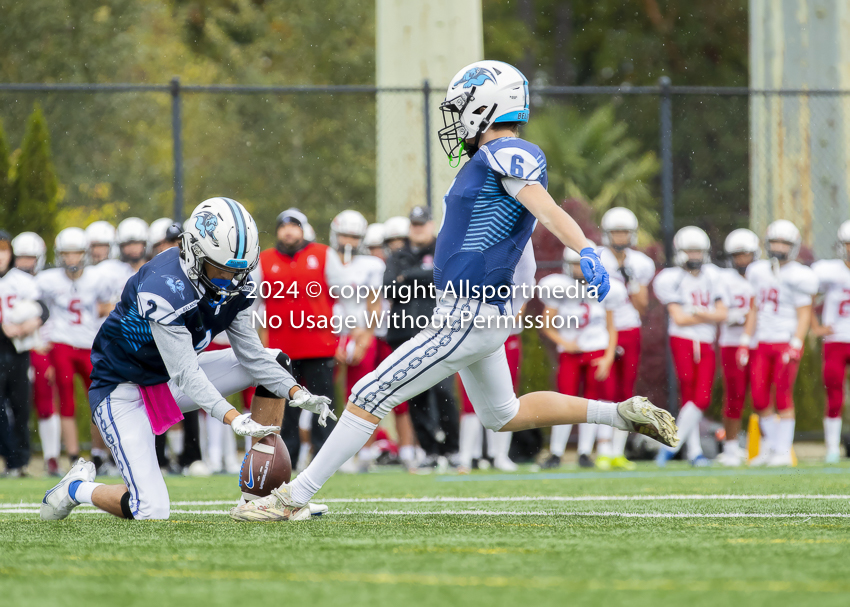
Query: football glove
{"points": [[320, 405], [594, 272], [243, 425]]}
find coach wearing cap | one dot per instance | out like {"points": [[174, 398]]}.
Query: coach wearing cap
{"points": [[293, 282], [433, 413]]}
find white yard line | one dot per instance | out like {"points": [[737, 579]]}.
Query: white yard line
{"points": [[528, 498]]}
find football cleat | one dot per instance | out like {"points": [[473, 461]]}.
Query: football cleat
{"points": [[278, 506], [664, 456], [621, 463], [57, 503], [603, 462], [730, 460], [553, 461], [585, 461], [780, 459], [760, 460], [643, 417], [832, 458], [505, 464], [700, 461]]}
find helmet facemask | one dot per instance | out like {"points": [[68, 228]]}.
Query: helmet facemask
{"points": [[216, 290], [454, 133]]}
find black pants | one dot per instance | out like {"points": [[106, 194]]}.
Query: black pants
{"points": [[435, 418], [317, 375], [14, 407]]}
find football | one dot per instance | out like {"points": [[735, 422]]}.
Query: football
{"points": [[265, 467]]}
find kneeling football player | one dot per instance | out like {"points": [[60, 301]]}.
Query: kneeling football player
{"points": [[147, 369]]}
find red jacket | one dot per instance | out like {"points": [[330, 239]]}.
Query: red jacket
{"points": [[292, 305]]}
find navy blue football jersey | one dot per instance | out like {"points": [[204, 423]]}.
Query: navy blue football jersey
{"points": [[124, 349], [485, 229]]}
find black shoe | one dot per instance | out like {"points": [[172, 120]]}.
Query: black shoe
{"points": [[553, 461], [585, 461], [430, 461]]}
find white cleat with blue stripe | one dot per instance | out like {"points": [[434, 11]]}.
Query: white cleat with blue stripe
{"points": [[57, 503]]}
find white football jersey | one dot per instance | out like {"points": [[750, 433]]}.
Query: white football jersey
{"points": [[73, 306], [676, 285], [591, 332], [778, 297], [362, 270], [16, 287], [739, 293], [834, 281], [112, 275], [636, 267]]}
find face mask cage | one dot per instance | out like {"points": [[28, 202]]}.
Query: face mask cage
{"points": [[215, 292], [453, 133]]}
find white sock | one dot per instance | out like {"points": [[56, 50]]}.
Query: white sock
{"points": [[215, 429], [348, 437], [84, 491], [303, 454], [784, 436], [407, 454], [731, 447], [49, 430], [618, 443], [228, 448], [831, 434], [498, 444], [586, 438], [558, 439], [604, 434], [605, 413], [689, 418], [694, 443], [768, 426], [470, 434], [175, 441]]}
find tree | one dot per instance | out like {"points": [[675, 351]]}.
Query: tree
{"points": [[6, 192], [36, 185]]}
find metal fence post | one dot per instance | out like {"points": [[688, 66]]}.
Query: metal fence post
{"points": [[666, 122], [177, 145], [426, 96]]}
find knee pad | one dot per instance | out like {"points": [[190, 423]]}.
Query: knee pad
{"points": [[495, 418], [284, 361]]}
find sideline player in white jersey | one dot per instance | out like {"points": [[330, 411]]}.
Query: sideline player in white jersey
{"points": [[634, 271], [489, 213], [30, 253], [72, 292], [694, 295], [784, 289], [586, 352], [736, 336], [148, 370], [163, 234], [834, 282]]}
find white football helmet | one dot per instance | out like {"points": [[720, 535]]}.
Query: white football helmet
{"points": [[30, 244], [130, 230], [691, 238], [571, 257], [70, 240], [100, 232], [374, 236], [783, 230], [843, 239], [480, 95], [396, 227], [619, 218], [348, 223], [158, 231], [222, 233]]}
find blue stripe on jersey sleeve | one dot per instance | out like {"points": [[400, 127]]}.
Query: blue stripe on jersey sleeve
{"points": [[494, 216]]}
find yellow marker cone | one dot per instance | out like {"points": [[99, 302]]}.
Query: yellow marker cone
{"points": [[753, 437]]}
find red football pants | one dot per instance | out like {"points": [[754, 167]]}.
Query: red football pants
{"points": [[69, 361], [624, 372], [695, 365], [42, 388], [513, 352], [575, 372], [768, 369], [736, 380], [836, 357]]}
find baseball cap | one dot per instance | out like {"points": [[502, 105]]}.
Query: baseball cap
{"points": [[419, 215], [292, 216]]}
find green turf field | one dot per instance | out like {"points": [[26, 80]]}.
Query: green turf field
{"points": [[569, 538]]}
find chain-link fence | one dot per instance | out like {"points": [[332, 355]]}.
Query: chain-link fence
{"points": [[719, 158]]}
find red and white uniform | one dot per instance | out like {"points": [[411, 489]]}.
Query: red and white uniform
{"points": [[833, 277], [591, 336], [739, 294], [361, 271], [692, 346], [778, 295], [16, 286], [637, 270], [74, 322]]}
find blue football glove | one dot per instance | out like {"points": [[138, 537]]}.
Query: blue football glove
{"points": [[594, 272]]}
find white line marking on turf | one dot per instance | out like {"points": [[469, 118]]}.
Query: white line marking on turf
{"points": [[529, 498]]}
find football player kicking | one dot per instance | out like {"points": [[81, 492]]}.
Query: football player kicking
{"points": [[490, 211], [147, 369]]}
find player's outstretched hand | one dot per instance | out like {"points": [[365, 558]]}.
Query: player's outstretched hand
{"points": [[320, 405], [594, 272], [243, 425]]}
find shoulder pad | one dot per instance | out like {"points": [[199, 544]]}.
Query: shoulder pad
{"points": [[515, 158]]}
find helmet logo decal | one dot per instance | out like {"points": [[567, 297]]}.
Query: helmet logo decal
{"points": [[476, 77], [175, 284], [206, 223]]}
